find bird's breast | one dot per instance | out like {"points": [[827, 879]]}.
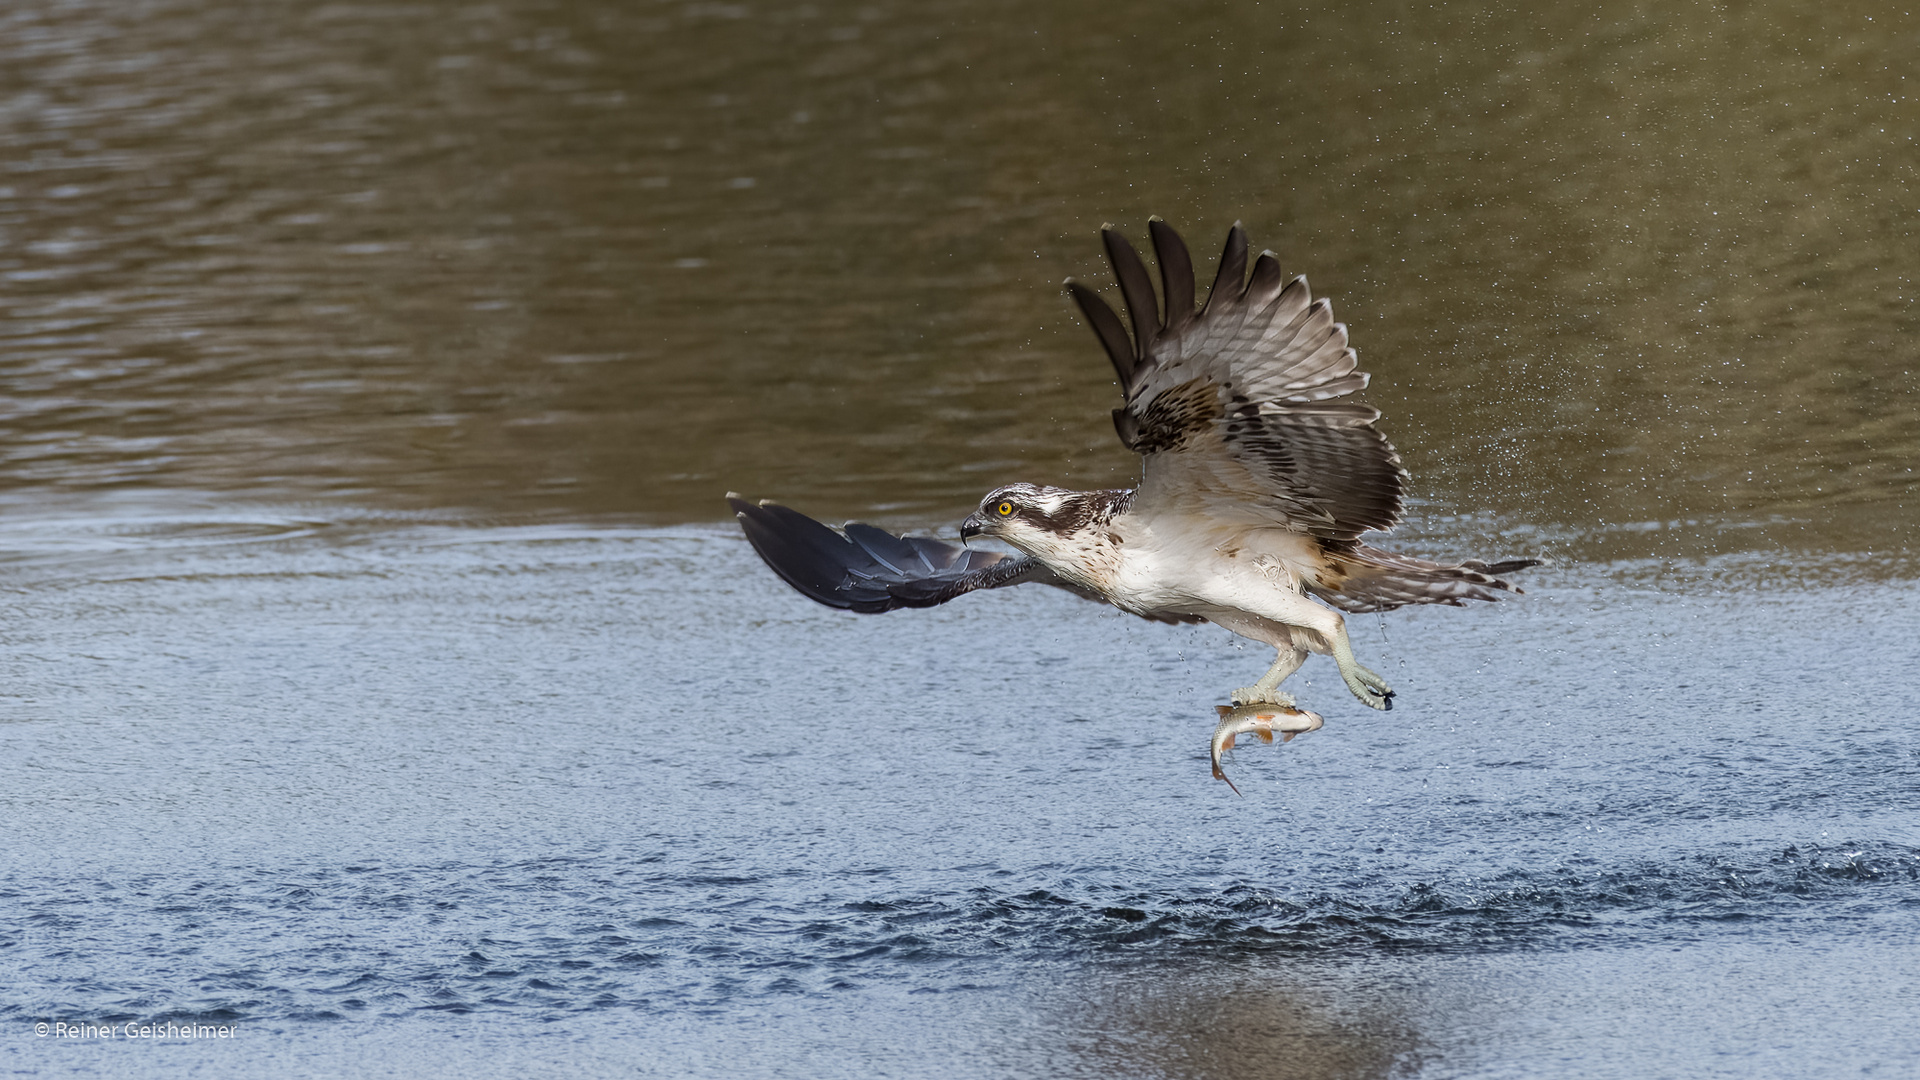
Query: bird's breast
{"points": [[1199, 568]]}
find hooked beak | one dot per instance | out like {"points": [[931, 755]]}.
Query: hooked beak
{"points": [[971, 528]]}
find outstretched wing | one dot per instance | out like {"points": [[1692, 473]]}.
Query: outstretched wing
{"points": [[871, 570], [1231, 405]]}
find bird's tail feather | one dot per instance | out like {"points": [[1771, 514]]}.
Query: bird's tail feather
{"points": [[1367, 578]]}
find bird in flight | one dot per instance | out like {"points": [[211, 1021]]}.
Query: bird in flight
{"points": [[1257, 483]]}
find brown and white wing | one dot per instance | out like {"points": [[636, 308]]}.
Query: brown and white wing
{"points": [[1232, 405]]}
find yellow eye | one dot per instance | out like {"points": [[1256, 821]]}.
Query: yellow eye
{"points": [[1005, 509]]}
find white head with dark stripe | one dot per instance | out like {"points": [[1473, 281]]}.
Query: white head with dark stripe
{"points": [[1055, 525]]}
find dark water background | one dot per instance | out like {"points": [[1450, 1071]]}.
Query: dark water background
{"points": [[379, 675]]}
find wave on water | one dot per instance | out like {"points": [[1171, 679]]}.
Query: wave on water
{"points": [[561, 935]]}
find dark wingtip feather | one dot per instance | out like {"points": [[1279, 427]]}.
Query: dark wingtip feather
{"points": [[1230, 281], [868, 569], [800, 550], [1107, 327], [892, 552], [1510, 565], [1266, 281], [1176, 273], [1142, 308]]}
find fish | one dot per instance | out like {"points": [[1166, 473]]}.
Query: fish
{"points": [[1263, 720]]}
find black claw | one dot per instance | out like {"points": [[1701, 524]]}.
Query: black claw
{"points": [[1386, 701]]}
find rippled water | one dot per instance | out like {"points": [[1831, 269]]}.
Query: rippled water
{"points": [[381, 680], [425, 793]]}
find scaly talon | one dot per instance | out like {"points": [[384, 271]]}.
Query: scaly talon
{"points": [[1260, 695], [1369, 688]]}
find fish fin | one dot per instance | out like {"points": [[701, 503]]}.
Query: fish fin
{"points": [[1286, 736], [1218, 775], [1265, 736], [1223, 710]]}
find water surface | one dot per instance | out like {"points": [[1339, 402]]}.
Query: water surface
{"points": [[491, 799], [1620, 272]]}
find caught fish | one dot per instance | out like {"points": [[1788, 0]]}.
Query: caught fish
{"points": [[1263, 720]]}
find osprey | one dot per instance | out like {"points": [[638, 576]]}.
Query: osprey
{"points": [[1257, 484]]}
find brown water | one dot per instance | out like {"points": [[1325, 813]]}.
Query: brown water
{"points": [[1631, 281]]}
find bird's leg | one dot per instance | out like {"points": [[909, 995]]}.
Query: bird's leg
{"points": [[1371, 689], [1331, 631], [1311, 627], [1267, 690]]}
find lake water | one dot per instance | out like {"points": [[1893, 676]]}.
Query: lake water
{"points": [[382, 681]]}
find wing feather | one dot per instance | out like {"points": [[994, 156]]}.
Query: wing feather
{"points": [[1176, 274], [1107, 327], [1135, 286], [1233, 271], [1362, 578], [870, 570], [1232, 406], [1264, 287]]}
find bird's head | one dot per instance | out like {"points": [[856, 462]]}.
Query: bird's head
{"points": [[1028, 516]]}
